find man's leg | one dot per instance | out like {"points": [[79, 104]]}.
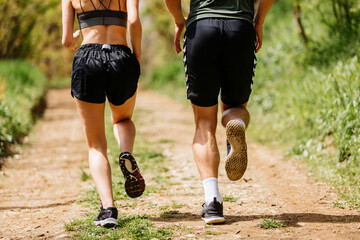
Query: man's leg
{"points": [[207, 159], [229, 113], [235, 120], [205, 148]]}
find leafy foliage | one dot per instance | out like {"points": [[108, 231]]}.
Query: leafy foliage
{"points": [[307, 96], [22, 87], [32, 30]]}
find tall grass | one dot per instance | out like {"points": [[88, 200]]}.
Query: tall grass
{"points": [[307, 99], [22, 87], [168, 78]]}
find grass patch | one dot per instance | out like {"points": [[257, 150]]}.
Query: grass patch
{"points": [[130, 227], [270, 223], [209, 232], [176, 205], [230, 199], [84, 176], [170, 214]]}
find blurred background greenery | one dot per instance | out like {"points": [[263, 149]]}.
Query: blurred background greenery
{"points": [[306, 93]]}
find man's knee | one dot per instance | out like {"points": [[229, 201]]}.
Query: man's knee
{"points": [[206, 124], [227, 107]]}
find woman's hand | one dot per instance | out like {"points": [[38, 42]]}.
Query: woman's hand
{"points": [[76, 37]]}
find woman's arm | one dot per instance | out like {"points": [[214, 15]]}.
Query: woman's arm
{"points": [[135, 28], [69, 39]]}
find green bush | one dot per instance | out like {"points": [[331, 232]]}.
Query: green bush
{"points": [[168, 78], [32, 30], [22, 88], [307, 98]]}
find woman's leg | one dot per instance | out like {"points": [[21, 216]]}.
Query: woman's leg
{"points": [[92, 116], [124, 128], [124, 131]]}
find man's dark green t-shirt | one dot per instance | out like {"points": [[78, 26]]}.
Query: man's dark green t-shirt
{"points": [[238, 9]]}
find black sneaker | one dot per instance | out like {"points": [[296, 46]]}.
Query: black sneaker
{"points": [[134, 182], [236, 160], [107, 217], [212, 213]]}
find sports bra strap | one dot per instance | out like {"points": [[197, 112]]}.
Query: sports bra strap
{"points": [[81, 6], [102, 16], [100, 3]]}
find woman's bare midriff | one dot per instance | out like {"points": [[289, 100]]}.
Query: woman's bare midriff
{"points": [[104, 35]]}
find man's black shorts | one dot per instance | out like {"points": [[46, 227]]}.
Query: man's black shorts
{"points": [[219, 54], [102, 70]]}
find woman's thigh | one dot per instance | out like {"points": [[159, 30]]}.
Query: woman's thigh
{"points": [[92, 116], [124, 111]]}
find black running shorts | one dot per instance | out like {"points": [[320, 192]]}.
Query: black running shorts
{"points": [[219, 54], [102, 70]]}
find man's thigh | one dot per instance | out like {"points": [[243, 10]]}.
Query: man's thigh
{"points": [[201, 60], [239, 61]]}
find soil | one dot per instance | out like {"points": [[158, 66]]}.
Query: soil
{"points": [[41, 183]]}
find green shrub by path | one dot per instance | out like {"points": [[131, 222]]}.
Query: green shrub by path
{"points": [[22, 87], [168, 78], [306, 99], [32, 30]]}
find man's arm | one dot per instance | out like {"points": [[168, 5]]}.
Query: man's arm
{"points": [[175, 9], [259, 19]]}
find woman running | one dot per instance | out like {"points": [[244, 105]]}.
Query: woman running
{"points": [[104, 67]]}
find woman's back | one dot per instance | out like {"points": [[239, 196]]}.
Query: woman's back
{"points": [[109, 34]]}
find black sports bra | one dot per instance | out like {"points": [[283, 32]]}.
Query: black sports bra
{"points": [[102, 17]]}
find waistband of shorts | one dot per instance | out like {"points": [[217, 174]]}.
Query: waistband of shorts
{"points": [[101, 47]]}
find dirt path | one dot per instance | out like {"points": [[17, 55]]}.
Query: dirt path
{"points": [[40, 185]]}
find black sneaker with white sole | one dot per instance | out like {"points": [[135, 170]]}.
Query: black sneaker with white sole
{"points": [[134, 182], [212, 213], [107, 217]]}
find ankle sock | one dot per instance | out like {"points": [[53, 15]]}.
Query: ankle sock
{"points": [[211, 190], [241, 121]]}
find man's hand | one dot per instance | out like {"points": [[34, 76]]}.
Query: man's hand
{"points": [[259, 34], [179, 27]]}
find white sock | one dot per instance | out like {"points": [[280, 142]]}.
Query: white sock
{"points": [[242, 122], [211, 190]]}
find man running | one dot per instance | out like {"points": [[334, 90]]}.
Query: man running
{"points": [[220, 42]]}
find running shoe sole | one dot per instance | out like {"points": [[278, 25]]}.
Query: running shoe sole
{"points": [[236, 161], [134, 182], [214, 220], [107, 223]]}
